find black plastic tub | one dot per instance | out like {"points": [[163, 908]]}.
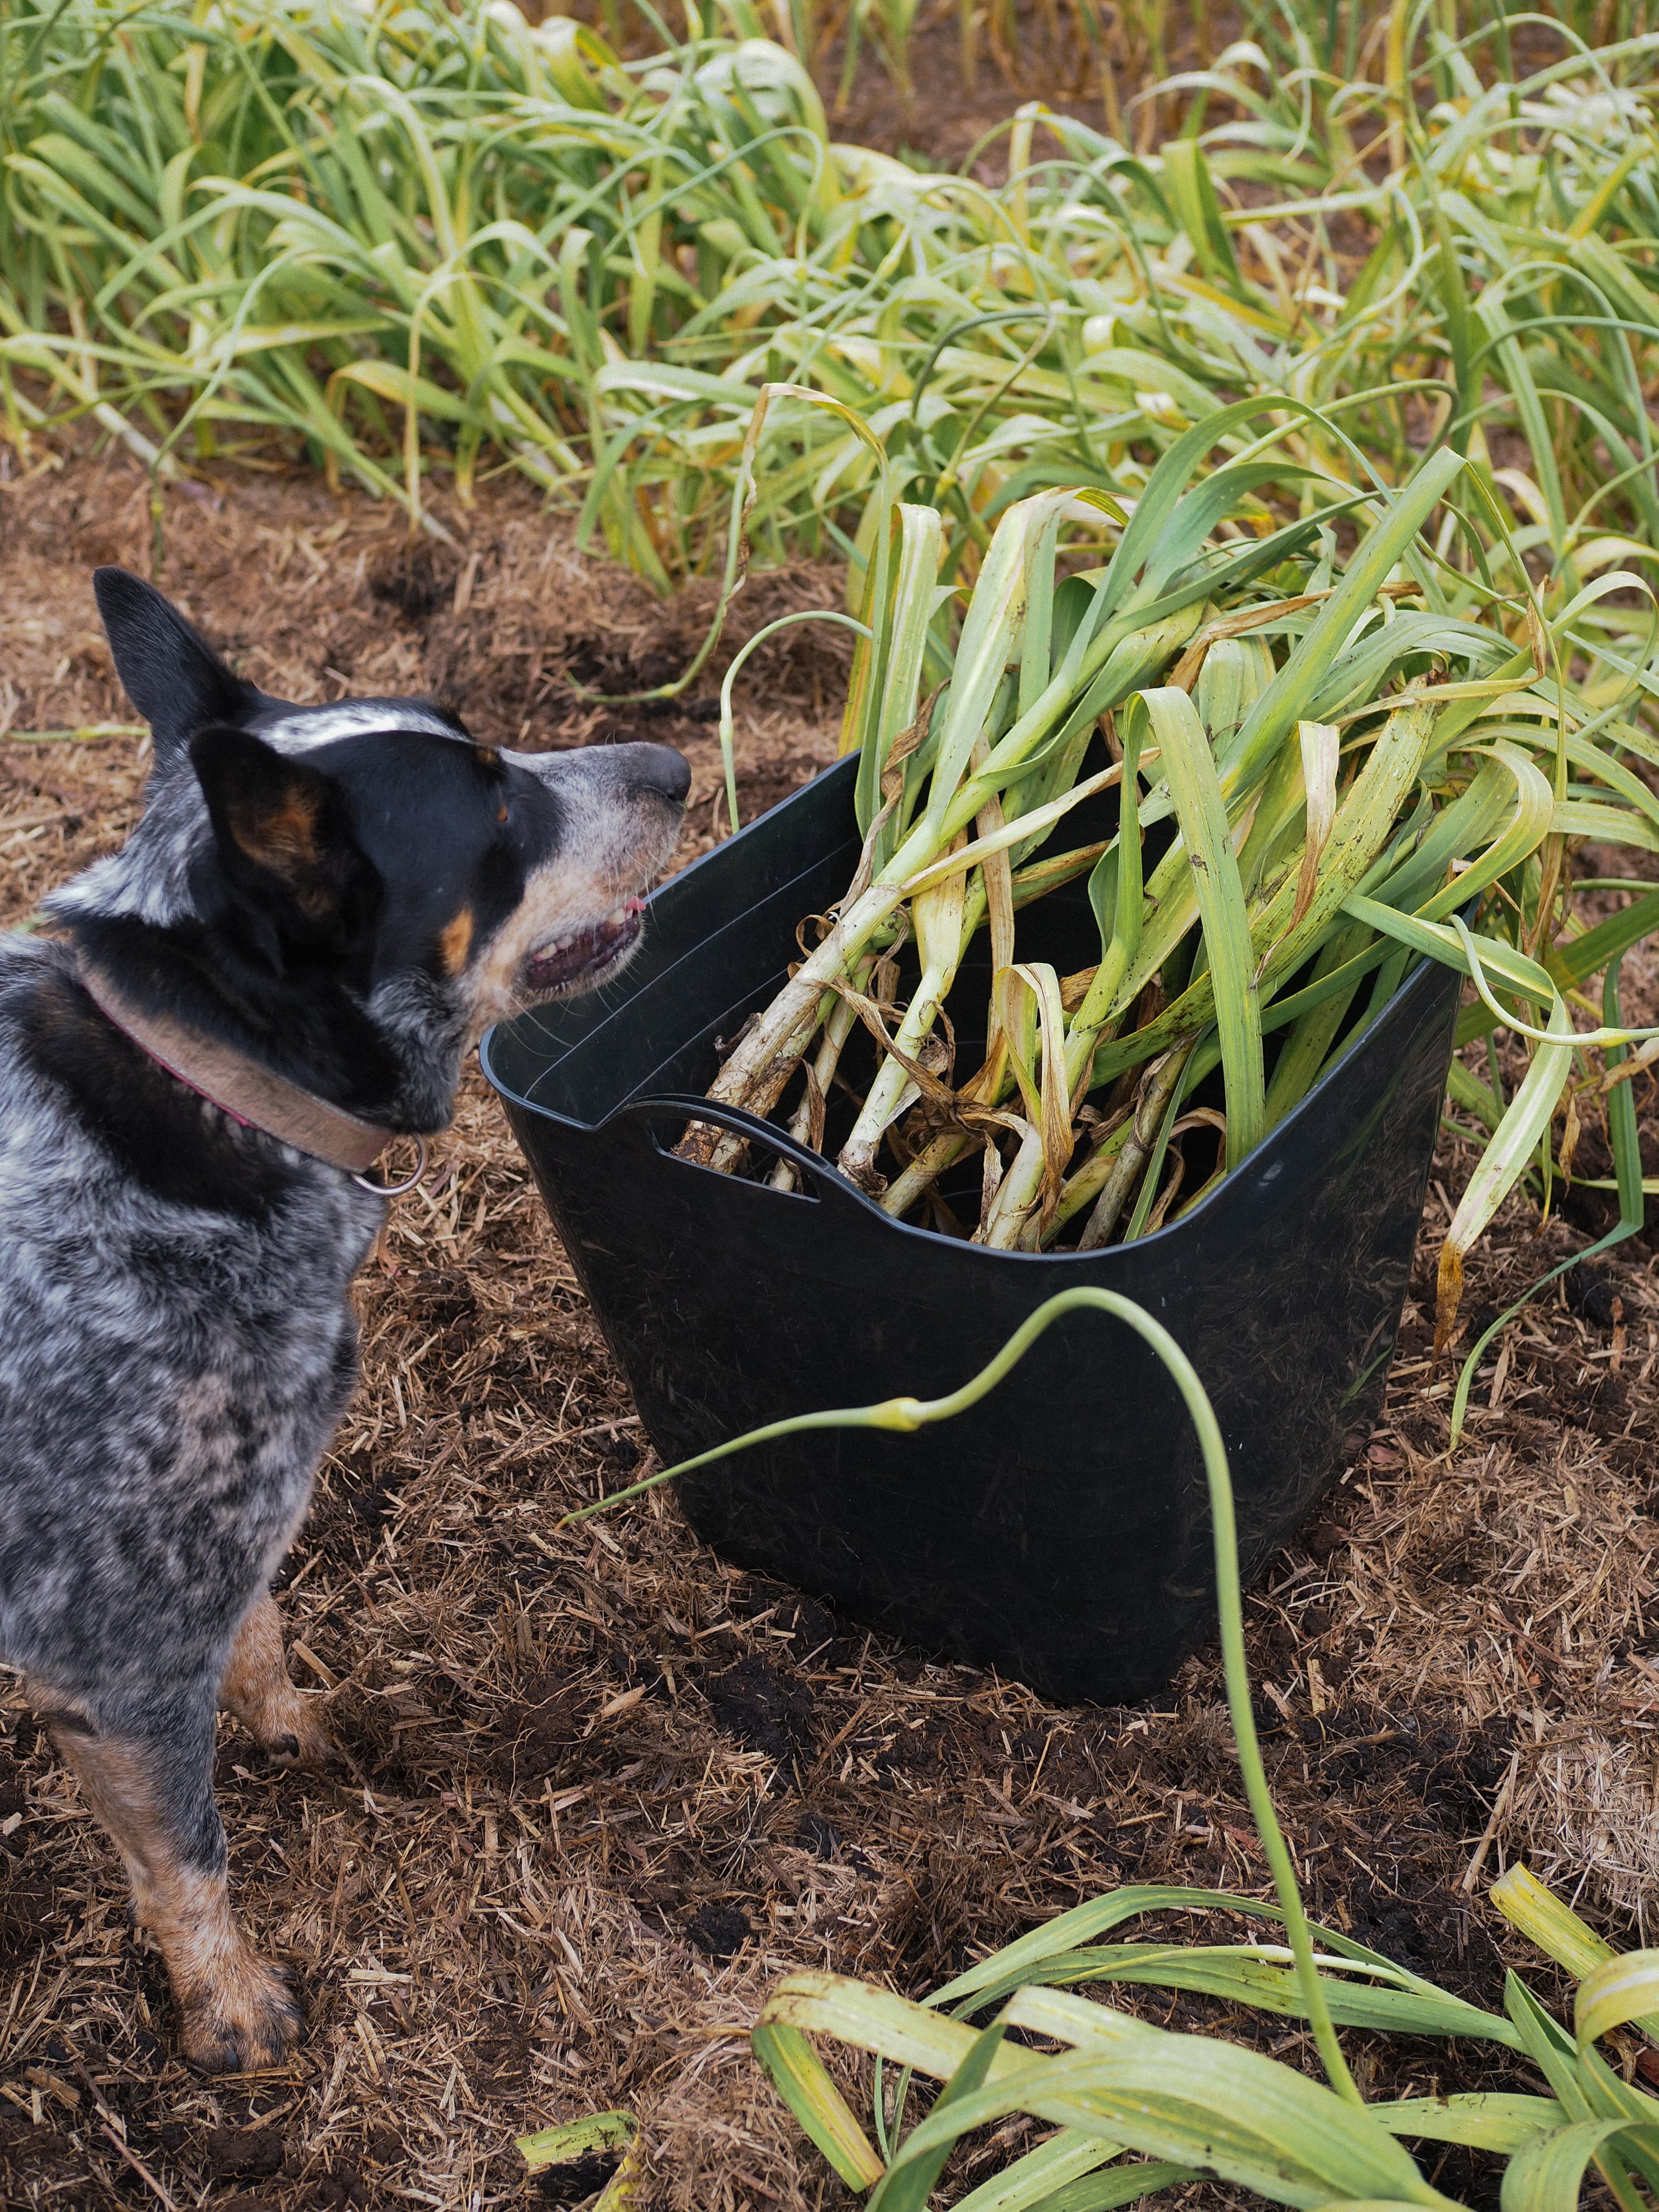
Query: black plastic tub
{"points": [[1059, 1532]]}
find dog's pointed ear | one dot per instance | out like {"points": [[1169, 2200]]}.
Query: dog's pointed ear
{"points": [[285, 837], [173, 677]]}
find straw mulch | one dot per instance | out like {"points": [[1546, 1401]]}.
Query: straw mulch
{"points": [[601, 1790]]}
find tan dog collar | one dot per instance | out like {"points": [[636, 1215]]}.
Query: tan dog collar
{"points": [[249, 1094]]}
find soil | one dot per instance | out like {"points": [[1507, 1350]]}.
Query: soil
{"points": [[948, 105], [603, 1790]]}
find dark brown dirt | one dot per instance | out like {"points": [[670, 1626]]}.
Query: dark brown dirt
{"points": [[606, 1790], [958, 107], [310, 595], [959, 99]]}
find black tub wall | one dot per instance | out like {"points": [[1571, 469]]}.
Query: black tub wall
{"points": [[1060, 1531]]}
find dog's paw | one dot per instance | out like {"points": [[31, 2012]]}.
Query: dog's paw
{"points": [[304, 1742], [290, 1732], [248, 2018]]}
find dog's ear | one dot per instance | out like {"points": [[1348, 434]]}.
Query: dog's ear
{"points": [[285, 838], [173, 678]]}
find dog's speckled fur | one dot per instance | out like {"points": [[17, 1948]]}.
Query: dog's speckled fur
{"points": [[347, 894]]}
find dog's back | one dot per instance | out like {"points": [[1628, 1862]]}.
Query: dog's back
{"points": [[174, 1356]]}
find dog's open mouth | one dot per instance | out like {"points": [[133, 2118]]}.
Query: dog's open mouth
{"points": [[578, 961]]}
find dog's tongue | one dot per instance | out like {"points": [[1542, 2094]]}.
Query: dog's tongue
{"points": [[590, 948]]}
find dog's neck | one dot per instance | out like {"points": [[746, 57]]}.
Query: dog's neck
{"points": [[153, 914], [387, 1055], [238, 1085], [168, 1118]]}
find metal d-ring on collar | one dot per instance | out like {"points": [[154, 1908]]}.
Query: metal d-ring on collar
{"points": [[396, 1190]]}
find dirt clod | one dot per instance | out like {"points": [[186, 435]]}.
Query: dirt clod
{"points": [[28, 1914], [817, 1835], [720, 1930], [575, 2179], [414, 580], [344, 2190], [762, 1708], [1325, 1537], [35, 2161], [538, 1736], [237, 2153], [1593, 1295]]}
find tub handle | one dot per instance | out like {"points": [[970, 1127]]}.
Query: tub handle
{"points": [[828, 1182]]}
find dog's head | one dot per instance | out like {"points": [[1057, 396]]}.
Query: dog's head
{"points": [[371, 848]]}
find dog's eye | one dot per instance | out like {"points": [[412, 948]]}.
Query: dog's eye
{"points": [[501, 815]]}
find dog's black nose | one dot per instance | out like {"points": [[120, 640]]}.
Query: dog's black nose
{"points": [[660, 768]]}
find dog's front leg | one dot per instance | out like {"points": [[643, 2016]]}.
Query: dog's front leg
{"points": [[258, 1691], [154, 1793]]}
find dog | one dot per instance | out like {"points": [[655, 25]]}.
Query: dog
{"points": [[221, 1027]]}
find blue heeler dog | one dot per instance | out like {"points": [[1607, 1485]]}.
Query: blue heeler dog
{"points": [[226, 1023]]}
